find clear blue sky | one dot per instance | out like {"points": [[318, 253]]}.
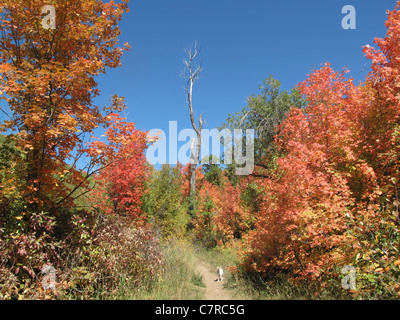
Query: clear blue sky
{"points": [[242, 41]]}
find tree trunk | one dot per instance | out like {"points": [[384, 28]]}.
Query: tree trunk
{"points": [[192, 73]]}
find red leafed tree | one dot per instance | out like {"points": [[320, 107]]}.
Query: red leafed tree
{"points": [[221, 215], [232, 219], [302, 220], [338, 168], [120, 182], [187, 173]]}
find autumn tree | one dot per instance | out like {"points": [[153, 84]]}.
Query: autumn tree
{"points": [[120, 184], [47, 79], [50, 55], [332, 200], [221, 216]]}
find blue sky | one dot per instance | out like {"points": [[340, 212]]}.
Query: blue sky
{"points": [[242, 41]]}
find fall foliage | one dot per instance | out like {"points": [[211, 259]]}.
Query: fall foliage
{"points": [[120, 183], [47, 80], [85, 221], [337, 178], [324, 193]]}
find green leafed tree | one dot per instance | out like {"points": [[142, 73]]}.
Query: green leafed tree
{"points": [[212, 171], [164, 201], [264, 113]]}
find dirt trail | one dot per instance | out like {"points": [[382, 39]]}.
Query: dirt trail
{"points": [[214, 290]]}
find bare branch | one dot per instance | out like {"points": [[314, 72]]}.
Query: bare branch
{"points": [[192, 73]]}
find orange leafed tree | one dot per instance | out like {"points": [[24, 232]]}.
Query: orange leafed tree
{"points": [[47, 78], [221, 215]]}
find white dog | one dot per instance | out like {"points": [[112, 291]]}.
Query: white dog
{"points": [[220, 273]]}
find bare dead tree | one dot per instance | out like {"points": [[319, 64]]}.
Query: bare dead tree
{"points": [[192, 73]]}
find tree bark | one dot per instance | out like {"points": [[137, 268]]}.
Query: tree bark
{"points": [[192, 73]]}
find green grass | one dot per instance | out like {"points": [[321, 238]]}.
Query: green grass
{"points": [[197, 280], [180, 280]]}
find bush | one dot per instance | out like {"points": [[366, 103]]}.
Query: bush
{"points": [[125, 253], [377, 262], [90, 253]]}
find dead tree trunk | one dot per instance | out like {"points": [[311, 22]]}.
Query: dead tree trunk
{"points": [[192, 73]]}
